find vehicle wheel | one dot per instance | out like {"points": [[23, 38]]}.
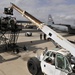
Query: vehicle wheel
{"points": [[33, 65]]}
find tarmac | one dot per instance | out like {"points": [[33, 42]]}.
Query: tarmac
{"points": [[16, 64]]}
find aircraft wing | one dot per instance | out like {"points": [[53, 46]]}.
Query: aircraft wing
{"points": [[21, 21], [67, 25]]}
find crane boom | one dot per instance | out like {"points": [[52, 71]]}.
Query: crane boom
{"points": [[48, 31]]}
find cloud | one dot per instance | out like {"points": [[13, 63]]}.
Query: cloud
{"points": [[17, 1], [59, 9], [58, 1]]}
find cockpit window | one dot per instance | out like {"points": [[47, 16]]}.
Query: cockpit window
{"points": [[62, 63], [47, 55], [50, 58]]}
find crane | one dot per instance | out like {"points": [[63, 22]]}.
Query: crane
{"points": [[48, 31], [65, 53]]}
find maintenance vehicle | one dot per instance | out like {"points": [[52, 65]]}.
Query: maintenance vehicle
{"points": [[28, 34]]}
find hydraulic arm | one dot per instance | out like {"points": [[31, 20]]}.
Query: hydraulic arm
{"points": [[48, 31]]}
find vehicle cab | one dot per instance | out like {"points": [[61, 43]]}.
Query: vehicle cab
{"points": [[56, 62]]}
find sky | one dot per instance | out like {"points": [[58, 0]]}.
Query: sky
{"points": [[62, 11]]}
